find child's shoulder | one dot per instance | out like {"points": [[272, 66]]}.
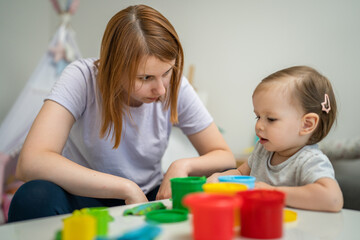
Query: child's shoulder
{"points": [[310, 152]]}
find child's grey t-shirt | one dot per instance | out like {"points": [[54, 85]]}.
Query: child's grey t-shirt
{"points": [[306, 166], [144, 137]]}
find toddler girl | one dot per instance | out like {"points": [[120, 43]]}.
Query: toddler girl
{"points": [[295, 109]]}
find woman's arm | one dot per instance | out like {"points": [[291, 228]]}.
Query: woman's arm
{"points": [[244, 169], [41, 158], [322, 195], [215, 156]]}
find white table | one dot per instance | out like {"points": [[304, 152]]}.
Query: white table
{"points": [[344, 225]]}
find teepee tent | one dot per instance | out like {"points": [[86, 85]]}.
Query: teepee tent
{"points": [[14, 128]]}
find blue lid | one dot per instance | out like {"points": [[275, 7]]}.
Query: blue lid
{"points": [[248, 180]]}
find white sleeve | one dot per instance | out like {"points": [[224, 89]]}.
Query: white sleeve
{"points": [[192, 114], [70, 90]]}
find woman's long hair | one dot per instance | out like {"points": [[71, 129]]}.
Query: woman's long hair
{"points": [[130, 35]]}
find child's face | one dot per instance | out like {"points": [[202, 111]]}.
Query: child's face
{"points": [[152, 80], [278, 120]]}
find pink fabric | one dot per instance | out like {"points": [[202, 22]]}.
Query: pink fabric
{"points": [[8, 183], [4, 159], [6, 200]]}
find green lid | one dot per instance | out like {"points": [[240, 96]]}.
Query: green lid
{"points": [[189, 180], [166, 216]]}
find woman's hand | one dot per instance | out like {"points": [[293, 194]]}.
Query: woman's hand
{"points": [[134, 194], [176, 169], [213, 178]]}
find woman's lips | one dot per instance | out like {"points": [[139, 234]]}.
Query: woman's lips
{"points": [[153, 99]]}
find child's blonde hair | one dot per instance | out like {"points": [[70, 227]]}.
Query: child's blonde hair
{"points": [[309, 88]]}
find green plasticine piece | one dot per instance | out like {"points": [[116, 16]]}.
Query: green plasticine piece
{"points": [[144, 208], [58, 235]]}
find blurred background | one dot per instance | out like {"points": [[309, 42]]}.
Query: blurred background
{"points": [[232, 45]]}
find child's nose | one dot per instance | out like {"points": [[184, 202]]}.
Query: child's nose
{"points": [[259, 126]]}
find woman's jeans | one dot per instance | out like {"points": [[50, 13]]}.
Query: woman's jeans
{"points": [[40, 198]]}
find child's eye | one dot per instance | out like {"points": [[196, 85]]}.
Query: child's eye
{"points": [[272, 119], [257, 117]]}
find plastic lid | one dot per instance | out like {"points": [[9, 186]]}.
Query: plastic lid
{"points": [[190, 180], [262, 196], [210, 201], [224, 187], [166, 216], [237, 178]]}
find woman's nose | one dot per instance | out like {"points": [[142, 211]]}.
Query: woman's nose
{"points": [[159, 87]]}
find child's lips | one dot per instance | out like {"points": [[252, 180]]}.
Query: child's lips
{"points": [[263, 140]]}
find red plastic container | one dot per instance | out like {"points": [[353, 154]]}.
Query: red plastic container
{"points": [[213, 215], [261, 213]]}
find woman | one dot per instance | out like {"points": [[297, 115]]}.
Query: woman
{"points": [[101, 133]]}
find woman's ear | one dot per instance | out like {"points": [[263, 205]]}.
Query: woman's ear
{"points": [[309, 123]]}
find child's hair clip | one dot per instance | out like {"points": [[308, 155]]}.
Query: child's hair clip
{"points": [[326, 104]]}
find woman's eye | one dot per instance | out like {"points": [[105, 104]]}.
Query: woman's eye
{"points": [[145, 78], [167, 73]]}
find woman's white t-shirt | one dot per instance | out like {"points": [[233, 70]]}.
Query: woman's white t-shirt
{"points": [[144, 137]]}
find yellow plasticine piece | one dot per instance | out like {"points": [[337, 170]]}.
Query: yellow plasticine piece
{"points": [[82, 226], [289, 216], [248, 150]]}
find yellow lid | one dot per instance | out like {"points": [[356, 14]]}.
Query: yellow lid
{"points": [[224, 188]]}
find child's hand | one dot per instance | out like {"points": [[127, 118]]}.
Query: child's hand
{"points": [[213, 178], [262, 185]]}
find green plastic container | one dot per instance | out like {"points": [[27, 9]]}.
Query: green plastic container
{"points": [[102, 216], [180, 187]]}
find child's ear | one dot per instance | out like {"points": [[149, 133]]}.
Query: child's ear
{"points": [[309, 123]]}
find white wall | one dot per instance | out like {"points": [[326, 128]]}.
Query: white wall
{"points": [[233, 45]]}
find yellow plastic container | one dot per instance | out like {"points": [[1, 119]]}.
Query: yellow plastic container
{"points": [[224, 188], [79, 227]]}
